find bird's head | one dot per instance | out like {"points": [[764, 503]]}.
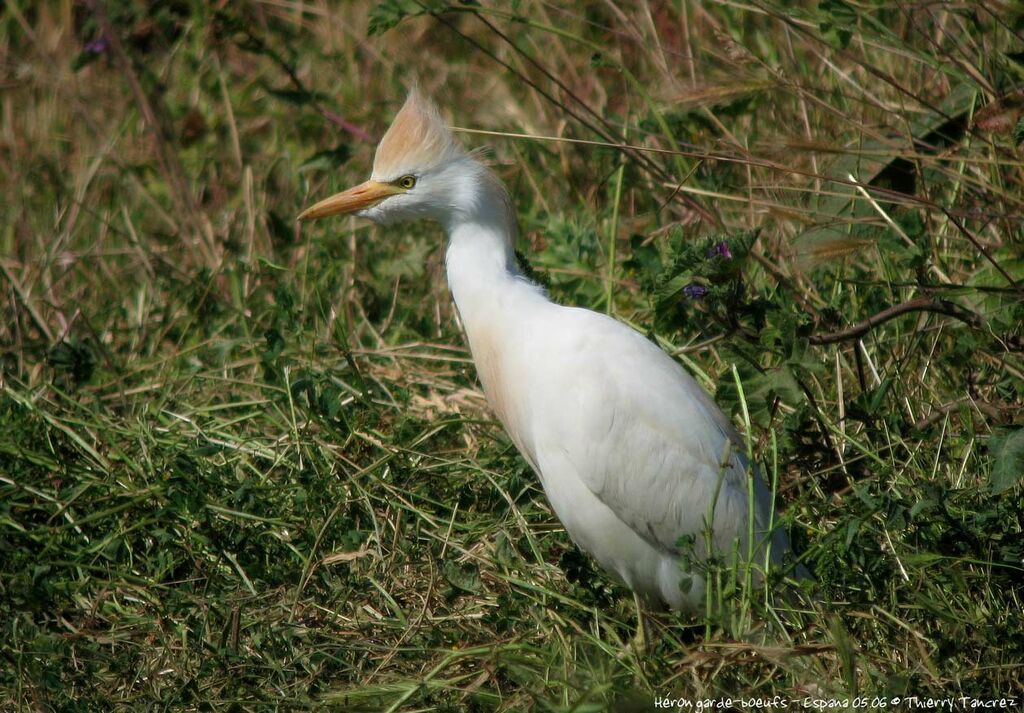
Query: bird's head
{"points": [[419, 171]]}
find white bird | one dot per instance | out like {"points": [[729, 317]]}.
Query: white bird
{"points": [[633, 454]]}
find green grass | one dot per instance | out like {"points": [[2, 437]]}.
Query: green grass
{"points": [[247, 467]]}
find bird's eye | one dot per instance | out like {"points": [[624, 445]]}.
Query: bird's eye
{"points": [[407, 182]]}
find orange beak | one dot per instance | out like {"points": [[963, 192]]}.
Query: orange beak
{"points": [[365, 195]]}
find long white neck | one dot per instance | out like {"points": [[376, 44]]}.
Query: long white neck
{"points": [[498, 305], [480, 260]]}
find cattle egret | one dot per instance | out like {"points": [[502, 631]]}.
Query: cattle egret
{"points": [[634, 456]]}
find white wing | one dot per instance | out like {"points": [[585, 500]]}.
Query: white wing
{"points": [[646, 439]]}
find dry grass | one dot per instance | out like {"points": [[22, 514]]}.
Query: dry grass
{"points": [[246, 467]]}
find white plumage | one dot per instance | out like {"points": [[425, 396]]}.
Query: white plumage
{"points": [[631, 452]]}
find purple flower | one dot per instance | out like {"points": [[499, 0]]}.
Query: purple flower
{"points": [[694, 292], [97, 46], [720, 249]]}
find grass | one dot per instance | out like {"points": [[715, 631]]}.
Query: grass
{"points": [[247, 467]]}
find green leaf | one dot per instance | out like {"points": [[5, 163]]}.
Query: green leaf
{"points": [[846, 222], [760, 390], [83, 59], [876, 397], [297, 97], [273, 266], [327, 160], [839, 21], [1007, 449], [465, 576], [410, 262], [391, 12]]}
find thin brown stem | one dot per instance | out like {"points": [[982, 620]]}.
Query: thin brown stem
{"points": [[990, 410], [919, 304]]}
